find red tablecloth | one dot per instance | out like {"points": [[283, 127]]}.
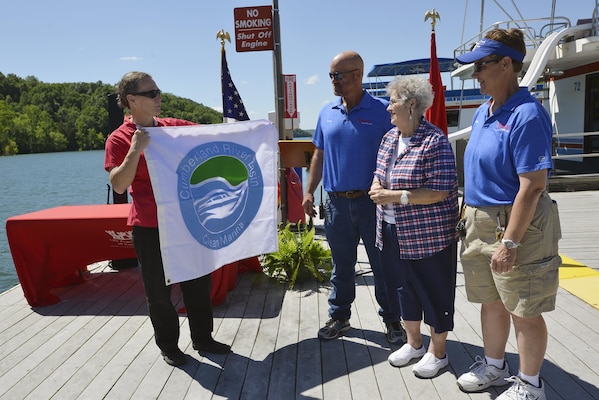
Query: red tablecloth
{"points": [[51, 247]]}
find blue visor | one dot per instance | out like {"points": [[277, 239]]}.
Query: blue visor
{"points": [[487, 47]]}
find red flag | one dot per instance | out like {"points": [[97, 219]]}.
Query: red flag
{"points": [[436, 113]]}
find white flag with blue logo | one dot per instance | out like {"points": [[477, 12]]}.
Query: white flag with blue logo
{"points": [[216, 191]]}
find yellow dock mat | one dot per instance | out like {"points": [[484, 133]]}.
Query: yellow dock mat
{"points": [[580, 280]]}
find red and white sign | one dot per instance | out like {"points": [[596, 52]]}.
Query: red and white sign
{"points": [[254, 29], [290, 96]]}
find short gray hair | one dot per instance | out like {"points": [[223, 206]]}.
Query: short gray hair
{"points": [[412, 87]]}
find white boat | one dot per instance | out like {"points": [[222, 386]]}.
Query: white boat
{"points": [[561, 68]]}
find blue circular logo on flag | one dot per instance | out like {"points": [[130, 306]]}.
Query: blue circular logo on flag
{"points": [[220, 190]]}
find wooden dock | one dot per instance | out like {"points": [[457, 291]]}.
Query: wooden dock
{"points": [[97, 343]]}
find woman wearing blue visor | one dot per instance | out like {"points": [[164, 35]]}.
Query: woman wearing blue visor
{"points": [[509, 250]]}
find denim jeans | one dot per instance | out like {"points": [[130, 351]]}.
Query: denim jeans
{"points": [[346, 222], [164, 316]]}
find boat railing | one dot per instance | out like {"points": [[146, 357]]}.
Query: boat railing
{"points": [[464, 134], [459, 140], [452, 97], [558, 137], [535, 30]]}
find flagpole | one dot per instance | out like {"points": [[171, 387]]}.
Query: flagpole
{"points": [[436, 113], [222, 36], [279, 102], [278, 71]]}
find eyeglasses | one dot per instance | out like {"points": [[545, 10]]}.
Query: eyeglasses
{"points": [[479, 65], [149, 93], [337, 76], [394, 101]]}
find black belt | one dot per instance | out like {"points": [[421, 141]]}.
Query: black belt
{"points": [[350, 194]]}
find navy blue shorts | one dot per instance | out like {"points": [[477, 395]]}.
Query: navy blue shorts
{"points": [[425, 287]]}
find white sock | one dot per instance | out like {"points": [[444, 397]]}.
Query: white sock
{"points": [[496, 362], [533, 380]]}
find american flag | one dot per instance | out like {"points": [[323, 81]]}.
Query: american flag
{"points": [[232, 104]]}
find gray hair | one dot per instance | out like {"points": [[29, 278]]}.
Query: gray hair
{"points": [[412, 87]]}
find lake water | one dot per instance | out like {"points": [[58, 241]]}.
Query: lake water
{"points": [[37, 181], [34, 182]]}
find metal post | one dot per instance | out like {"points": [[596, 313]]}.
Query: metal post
{"points": [[279, 103]]}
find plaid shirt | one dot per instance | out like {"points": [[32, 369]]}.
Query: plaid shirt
{"points": [[428, 161]]}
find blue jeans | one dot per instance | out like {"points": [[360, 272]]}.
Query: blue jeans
{"points": [[346, 221]]}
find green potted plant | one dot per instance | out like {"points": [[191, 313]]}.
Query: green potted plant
{"points": [[301, 256]]}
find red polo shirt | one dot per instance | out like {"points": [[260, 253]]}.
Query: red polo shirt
{"points": [[143, 207]]}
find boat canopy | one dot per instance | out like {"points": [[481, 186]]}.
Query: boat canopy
{"points": [[411, 67]]}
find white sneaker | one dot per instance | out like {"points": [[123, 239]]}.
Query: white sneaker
{"points": [[401, 357], [429, 366], [522, 390], [483, 375]]}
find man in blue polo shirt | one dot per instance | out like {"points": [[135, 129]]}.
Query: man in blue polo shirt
{"points": [[347, 138]]}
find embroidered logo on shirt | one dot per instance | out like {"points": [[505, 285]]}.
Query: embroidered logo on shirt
{"points": [[502, 127]]}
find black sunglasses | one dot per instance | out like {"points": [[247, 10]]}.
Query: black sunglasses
{"points": [[339, 75], [479, 65], [148, 93]]}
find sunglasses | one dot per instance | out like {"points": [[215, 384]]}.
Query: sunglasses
{"points": [[149, 93], [480, 65], [337, 76]]}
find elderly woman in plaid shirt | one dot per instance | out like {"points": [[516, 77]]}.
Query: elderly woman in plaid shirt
{"points": [[415, 189]]}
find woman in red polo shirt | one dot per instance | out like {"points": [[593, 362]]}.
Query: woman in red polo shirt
{"points": [[125, 161]]}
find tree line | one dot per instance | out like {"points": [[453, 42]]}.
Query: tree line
{"points": [[38, 117]]}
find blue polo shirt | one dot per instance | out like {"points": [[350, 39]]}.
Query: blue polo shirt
{"points": [[514, 140], [350, 142]]}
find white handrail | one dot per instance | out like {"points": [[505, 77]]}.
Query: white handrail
{"points": [[461, 134], [539, 61], [567, 135], [569, 156], [537, 65]]}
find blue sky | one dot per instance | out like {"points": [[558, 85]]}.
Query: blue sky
{"points": [[175, 41]]}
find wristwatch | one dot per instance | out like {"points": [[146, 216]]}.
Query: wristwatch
{"points": [[510, 244], [404, 197]]}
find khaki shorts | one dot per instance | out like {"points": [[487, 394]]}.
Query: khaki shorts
{"points": [[531, 287]]}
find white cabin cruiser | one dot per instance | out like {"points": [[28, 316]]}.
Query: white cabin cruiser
{"points": [[561, 68]]}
